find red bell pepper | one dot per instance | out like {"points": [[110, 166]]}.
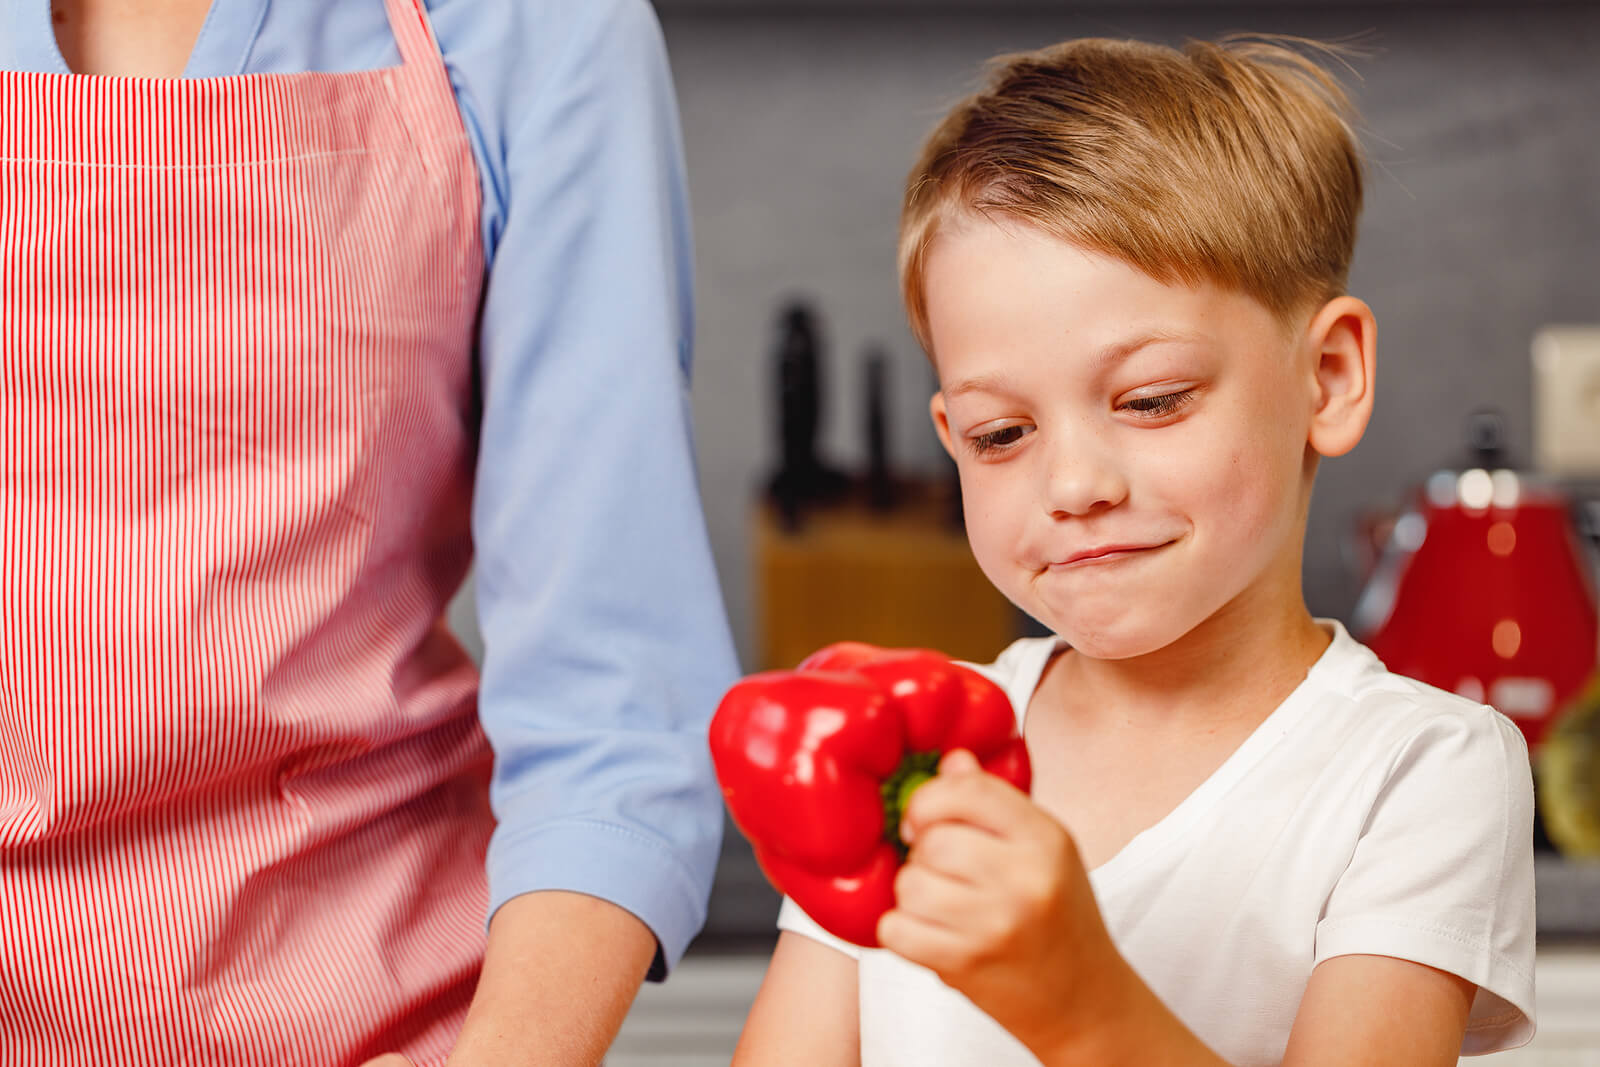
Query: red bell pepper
{"points": [[817, 764]]}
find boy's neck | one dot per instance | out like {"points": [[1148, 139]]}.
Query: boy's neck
{"points": [[1242, 662]]}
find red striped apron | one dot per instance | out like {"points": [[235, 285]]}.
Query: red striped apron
{"points": [[243, 801]]}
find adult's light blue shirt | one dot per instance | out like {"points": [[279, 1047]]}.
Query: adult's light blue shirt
{"points": [[606, 645]]}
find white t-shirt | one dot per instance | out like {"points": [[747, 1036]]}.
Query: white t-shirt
{"points": [[1368, 814]]}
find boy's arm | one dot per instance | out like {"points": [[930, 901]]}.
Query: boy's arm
{"points": [[1379, 1010], [1358, 1011], [806, 1013]]}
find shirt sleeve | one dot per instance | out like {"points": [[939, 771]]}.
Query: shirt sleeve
{"points": [[792, 917], [605, 640], [1443, 872]]}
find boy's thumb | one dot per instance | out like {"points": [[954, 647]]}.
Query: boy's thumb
{"points": [[959, 761]]}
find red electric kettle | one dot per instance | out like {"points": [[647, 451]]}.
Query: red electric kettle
{"points": [[1486, 589]]}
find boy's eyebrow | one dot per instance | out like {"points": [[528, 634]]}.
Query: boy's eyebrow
{"points": [[988, 383], [1103, 359], [1114, 353]]}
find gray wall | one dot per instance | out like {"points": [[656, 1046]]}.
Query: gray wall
{"points": [[1482, 218]]}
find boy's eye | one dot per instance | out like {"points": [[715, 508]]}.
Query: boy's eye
{"points": [[1001, 439], [1156, 406]]}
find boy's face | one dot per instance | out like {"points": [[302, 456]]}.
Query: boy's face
{"points": [[1133, 455]]}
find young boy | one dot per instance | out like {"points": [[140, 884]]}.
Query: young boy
{"points": [[1247, 842]]}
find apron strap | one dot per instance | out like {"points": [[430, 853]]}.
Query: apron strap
{"points": [[414, 34]]}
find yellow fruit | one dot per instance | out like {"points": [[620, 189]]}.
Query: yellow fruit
{"points": [[1569, 776]]}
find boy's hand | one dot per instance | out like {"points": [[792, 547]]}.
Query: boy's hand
{"points": [[994, 899]]}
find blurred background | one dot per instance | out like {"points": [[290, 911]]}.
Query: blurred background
{"points": [[1459, 535]]}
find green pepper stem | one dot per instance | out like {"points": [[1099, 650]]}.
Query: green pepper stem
{"points": [[914, 769], [908, 786]]}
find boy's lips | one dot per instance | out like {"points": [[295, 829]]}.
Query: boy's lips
{"points": [[1107, 553]]}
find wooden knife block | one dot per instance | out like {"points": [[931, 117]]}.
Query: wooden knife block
{"points": [[899, 578]]}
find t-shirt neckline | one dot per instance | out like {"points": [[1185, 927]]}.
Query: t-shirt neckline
{"points": [[1175, 825]]}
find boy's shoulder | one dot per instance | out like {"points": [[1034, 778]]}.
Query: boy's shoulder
{"points": [[1375, 739], [1377, 699]]}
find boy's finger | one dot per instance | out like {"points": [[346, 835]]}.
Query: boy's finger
{"points": [[931, 895], [959, 761], [929, 944], [959, 852], [980, 800], [962, 851]]}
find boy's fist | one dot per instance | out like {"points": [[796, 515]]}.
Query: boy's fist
{"points": [[994, 899]]}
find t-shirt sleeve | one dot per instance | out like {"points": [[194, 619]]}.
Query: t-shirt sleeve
{"points": [[1443, 871], [792, 918]]}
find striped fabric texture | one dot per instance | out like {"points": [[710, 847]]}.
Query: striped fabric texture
{"points": [[243, 806]]}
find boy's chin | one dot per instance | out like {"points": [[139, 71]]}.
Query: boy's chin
{"points": [[1115, 639], [1109, 647]]}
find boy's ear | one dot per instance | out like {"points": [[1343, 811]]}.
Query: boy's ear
{"points": [[941, 422], [1342, 339]]}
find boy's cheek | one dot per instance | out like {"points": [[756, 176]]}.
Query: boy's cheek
{"points": [[998, 523]]}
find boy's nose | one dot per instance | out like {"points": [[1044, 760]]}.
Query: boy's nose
{"points": [[1083, 476]]}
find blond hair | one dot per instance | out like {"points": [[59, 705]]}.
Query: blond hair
{"points": [[1232, 162]]}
